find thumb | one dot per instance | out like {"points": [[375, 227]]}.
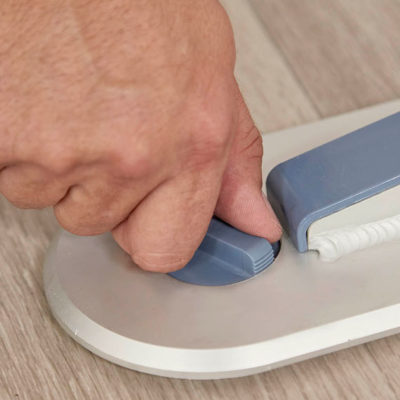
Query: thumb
{"points": [[241, 202]]}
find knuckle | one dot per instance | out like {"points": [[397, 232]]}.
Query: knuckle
{"points": [[59, 162], [138, 163], [81, 225], [19, 197], [69, 223], [210, 140], [26, 193]]}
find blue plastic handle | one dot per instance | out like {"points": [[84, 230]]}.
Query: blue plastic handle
{"points": [[334, 176]]}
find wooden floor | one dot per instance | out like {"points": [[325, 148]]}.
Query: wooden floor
{"points": [[298, 61]]}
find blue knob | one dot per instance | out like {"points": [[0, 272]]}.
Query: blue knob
{"points": [[227, 255]]}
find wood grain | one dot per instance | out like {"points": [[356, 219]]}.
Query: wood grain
{"points": [[345, 54], [297, 61], [269, 86]]}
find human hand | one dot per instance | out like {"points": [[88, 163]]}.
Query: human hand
{"points": [[125, 116]]}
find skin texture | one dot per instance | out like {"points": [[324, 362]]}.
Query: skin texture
{"points": [[125, 116]]}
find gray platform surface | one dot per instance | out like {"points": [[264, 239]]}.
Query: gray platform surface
{"points": [[296, 309]]}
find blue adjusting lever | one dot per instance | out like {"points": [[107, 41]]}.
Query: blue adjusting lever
{"points": [[227, 255]]}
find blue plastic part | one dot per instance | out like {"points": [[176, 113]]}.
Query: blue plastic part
{"points": [[335, 176], [226, 256]]}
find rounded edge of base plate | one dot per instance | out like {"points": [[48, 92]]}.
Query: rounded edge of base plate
{"points": [[144, 357]]}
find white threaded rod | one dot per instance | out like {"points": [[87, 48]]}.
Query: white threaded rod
{"points": [[334, 244]]}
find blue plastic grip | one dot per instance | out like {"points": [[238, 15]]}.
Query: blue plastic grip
{"points": [[226, 256]]}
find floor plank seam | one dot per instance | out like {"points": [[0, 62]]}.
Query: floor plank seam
{"points": [[286, 61]]}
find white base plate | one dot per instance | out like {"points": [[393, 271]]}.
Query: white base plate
{"points": [[298, 308]]}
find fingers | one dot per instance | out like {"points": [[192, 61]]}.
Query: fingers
{"points": [[94, 205], [165, 229], [30, 186], [241, 202], [93, 209], [98, 204]]}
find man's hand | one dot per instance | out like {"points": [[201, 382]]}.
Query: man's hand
{"points": [[124, 115]]}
